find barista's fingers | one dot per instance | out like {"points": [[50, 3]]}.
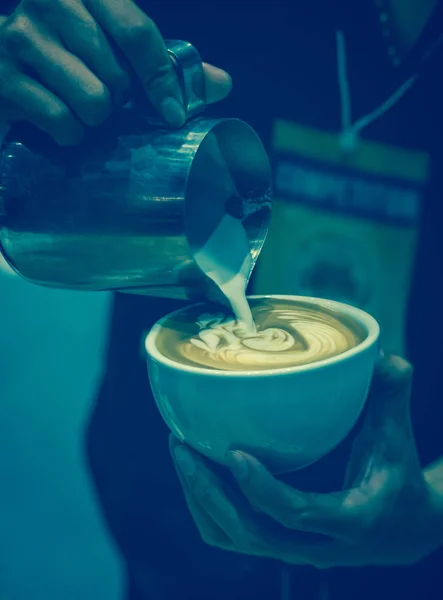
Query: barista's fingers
{"points": [[143, 45], [27, 100], [218, 84], [209, 531], [68, 77], [386, 437], [140, 40], [324, 514], [83, 37]]}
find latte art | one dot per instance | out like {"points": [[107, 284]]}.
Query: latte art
{"points": [[287, 334]]}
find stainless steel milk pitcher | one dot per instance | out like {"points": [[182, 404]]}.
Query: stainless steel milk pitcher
{"points": [[128, 209]]}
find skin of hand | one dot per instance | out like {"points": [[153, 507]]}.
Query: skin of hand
{"points": [[389, 513], [65, 64]]}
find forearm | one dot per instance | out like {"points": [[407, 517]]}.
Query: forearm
{"points": [[434, 477]]}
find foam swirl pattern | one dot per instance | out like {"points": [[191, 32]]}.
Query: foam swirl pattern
{"points": [[284, 337]]}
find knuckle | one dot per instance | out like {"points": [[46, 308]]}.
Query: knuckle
{"points": [[401, 371], [16, 37], [88, 33], [58, 114], [136, 35], [395, 372], [89, 27], [405, 373]]}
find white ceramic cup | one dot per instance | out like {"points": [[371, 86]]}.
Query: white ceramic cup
{"points": [[288, 418]]}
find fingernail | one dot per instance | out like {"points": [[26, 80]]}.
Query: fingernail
{"points": [[238, 464], [185, 461], [173, 113]]}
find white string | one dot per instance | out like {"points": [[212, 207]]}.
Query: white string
{"points": [[346, 118], [350, 133], [385, 107]]}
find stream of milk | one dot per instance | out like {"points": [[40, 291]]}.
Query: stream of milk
{"points": [[226, 256], [229, 273]]}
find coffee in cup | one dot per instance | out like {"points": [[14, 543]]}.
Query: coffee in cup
{"points": [[287, 333]]}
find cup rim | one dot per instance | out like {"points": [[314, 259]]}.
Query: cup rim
{"points": [[362, 317]]}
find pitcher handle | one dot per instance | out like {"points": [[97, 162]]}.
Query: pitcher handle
{"points": [[189, 67]]}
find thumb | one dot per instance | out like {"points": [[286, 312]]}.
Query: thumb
{"points": [[390, 391], [386, 434], [218, 84]]}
